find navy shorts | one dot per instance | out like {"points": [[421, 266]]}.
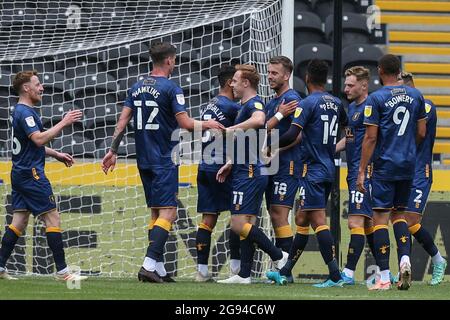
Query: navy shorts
{"points": [[213, 197], [160, 186], [420, 190], [32, 193], [359, 204], [281, 190], [390, 194], [314, 195], [247, 195]]}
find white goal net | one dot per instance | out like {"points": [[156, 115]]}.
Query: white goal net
{"points": [[88, 53]]}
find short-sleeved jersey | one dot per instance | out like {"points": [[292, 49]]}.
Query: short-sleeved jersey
{"points": [[354, 134], [222, 110], [26, 155], [319, 115], [395, 110], [290, 159], [247, 163], [155, 102], [425, 148]]}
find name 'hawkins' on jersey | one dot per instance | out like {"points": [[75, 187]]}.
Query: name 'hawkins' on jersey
{"points": [[155, 102], [222, 110], [395, 110]]}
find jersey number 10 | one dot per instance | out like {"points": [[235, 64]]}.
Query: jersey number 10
{"points": [[149, 125]]}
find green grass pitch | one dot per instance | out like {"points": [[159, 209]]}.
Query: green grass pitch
{"points": [[130, 288], [122, 240]]}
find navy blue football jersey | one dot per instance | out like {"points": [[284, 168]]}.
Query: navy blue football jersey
{"points": [[155, 102], [247, 163], [25, 154], [395, 110], [290, 159], [222, 110], [354, 133], [425, 148], [319, 115]]}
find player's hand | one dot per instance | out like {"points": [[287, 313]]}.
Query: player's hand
{"points": [[65, 158], [360, 182], [288, 108], [223, 172], [109, 161], [72, 116], [213, 124]]}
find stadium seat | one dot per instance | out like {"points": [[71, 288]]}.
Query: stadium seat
{"points": [[307, 52], [51, 114], [302, 5], [354, 27], [361, 54], [326, 7], [307, 28], [216, 54], [127, 146], [300, 86], [204, 35], [195, 102], [92, 84], [75, 144], [102, 114], [95, 100]]}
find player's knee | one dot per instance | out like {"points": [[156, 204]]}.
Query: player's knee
{"points": [[279, 215], [396, 215], [52, 219], [301, 220], [210, 220], [413, 219], [355, 222]]}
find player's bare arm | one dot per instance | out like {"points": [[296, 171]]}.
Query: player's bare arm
{"points": [[65, 158], [368, 146], [254, 122], [421, 130], [186, 122], [340, 146], [109, 160], [40, 138]]}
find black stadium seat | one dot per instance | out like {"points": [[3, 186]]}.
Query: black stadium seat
{"points": [[354, 27], [53, 113], [126, 148], [361, 54], [102, 114], [303, 5], [307, 28], [75, 144], [326, 7], [300, 86], [307, 52]]}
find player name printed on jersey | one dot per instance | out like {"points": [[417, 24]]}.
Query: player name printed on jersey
{"points": [[399, 95]]}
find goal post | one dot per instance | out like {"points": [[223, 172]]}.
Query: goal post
{"points": [[87, 56]]}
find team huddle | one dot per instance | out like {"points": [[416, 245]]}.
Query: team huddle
{"points": [[389, 137]]}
